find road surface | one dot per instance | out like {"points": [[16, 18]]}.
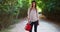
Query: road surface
{"points": [[44, 26]]}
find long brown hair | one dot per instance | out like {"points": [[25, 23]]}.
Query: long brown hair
{"points": [[32, 5]]}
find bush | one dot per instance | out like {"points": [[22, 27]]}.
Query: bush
{"points": [[8, 12], [52, 9]]}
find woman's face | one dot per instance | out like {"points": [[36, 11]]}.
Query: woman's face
{"points": [[33, 4]]}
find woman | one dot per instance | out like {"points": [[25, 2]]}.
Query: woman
{"points": [[33, 16]]}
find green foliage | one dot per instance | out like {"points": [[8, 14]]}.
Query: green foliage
{"points": [[52, 9], [23, 8], [9, 10]]}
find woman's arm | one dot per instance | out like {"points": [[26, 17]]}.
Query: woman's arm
{"points": [[28, 15], [37, 16]]}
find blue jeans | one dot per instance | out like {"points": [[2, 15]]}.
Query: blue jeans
{"points": [[35, 26]]}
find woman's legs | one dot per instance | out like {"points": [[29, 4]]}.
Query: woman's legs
{"points": [[31, 27], [35, 26]]}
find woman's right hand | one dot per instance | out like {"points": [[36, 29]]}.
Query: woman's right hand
{"points": [[28, 20]]}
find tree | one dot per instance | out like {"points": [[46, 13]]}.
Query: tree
{"points": [[8, 12], [51, 9]]}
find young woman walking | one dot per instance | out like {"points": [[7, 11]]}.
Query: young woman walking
{"points": [[33, 16]]}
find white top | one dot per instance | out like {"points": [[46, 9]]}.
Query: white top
{"points": [[33, 15]]}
